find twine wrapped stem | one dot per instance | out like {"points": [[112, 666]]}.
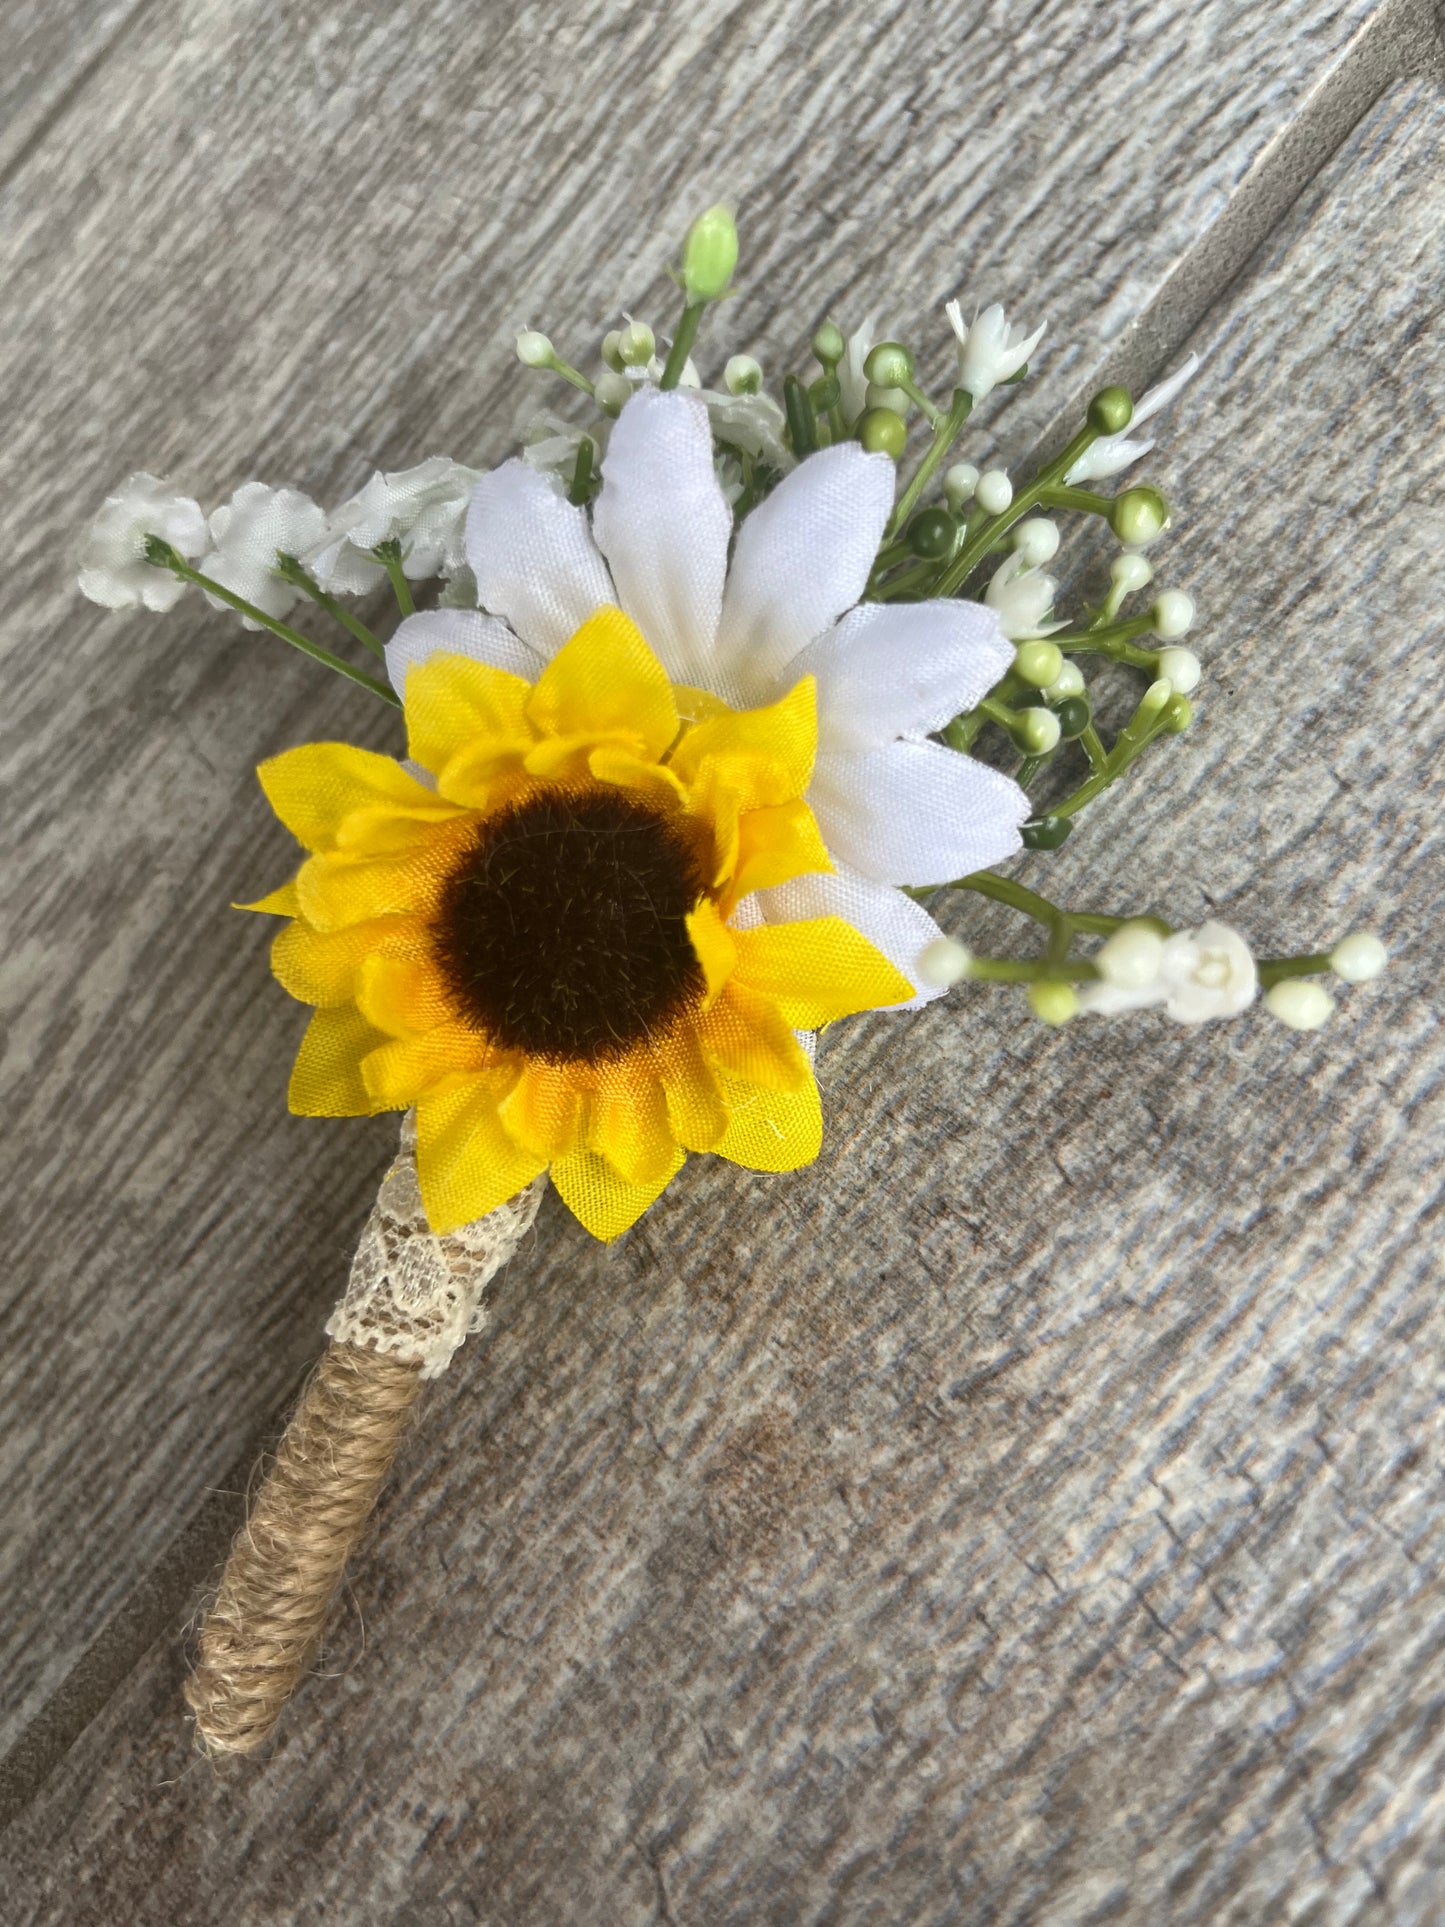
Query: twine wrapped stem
{"points": [[289, 1558]]}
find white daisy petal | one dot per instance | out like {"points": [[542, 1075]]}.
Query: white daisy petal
{"points": [[902, 669], [803, 556], [533, 556], [898, 926], [916, 813], [663, 525], [457, 632]]}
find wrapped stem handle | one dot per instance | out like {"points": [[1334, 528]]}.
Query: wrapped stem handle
{"points": [[289, 1558]]}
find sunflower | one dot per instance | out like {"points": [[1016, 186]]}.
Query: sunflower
{"points": [[650, 836]]}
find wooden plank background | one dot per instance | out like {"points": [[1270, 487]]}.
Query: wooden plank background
{"points": [[1032, 1514]]}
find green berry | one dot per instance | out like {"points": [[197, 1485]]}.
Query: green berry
{"points": [[709, 254], [1074, 717], [1111, 410], [882, 432], [829, 345], [889, 364], [931, 533], [1138, 515], [1039, 662], [1047, 832], [1054, 1003]]}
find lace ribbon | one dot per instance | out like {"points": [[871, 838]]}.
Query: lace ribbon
{"points": [[415, 1295]]}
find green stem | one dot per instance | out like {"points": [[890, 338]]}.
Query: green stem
{"points": [[682, 344], [974, 550], [388, 554], [930, 412], [1112, 639], [946, 433], [1060, 496], [291, 570], [802, 423], [574, 375], [1275, 970], [163, 556], [581, 485], [1011, 970]]}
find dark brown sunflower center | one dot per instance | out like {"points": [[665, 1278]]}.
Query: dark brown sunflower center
{"points": [[563, 931]]}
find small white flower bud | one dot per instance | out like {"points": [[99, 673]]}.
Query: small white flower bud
{"points": [[613, 391], [1358, 958], [959, 484], [1180, 668], [1131, 958], [1172, 615], [1069, 682], [1054, 1004], [743, 375], [534, 350], [636, 345], [994, 492], [1039, 731], [1130, 572], [943, 963], [612, 350], [1300, 1004], [1037, 540]]}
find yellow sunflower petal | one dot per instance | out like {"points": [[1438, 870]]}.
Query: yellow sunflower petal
{"points": [[399, 1069], [714, 945], [465, 1160], [326, 1078], [336, 888], [818, 969], [747, 1037], [764, 756], [324, 966], [453, 703], [284, 902], [315, 788], [771, 1130], [402, 995], [600, 1197], [606, 682], [775, 845], [543, 1112], [628, 1124], [694, 1108], [620, 767]]}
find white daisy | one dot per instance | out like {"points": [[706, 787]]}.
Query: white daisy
{"points": [[894, 808], [248, 533], [423, 508]]}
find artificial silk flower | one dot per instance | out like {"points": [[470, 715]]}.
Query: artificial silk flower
{"points": [[1022, 597], [1112, 454], [895, 809], [422, 508], [989, 351], [113, 567], [536, 940], [249, 533], [1197, 975]]}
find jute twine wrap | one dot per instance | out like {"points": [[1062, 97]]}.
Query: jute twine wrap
{"points": [[413, 1297], [288, 1559]]}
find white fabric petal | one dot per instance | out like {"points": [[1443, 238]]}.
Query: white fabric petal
{"points": [[915, 813], [803, 556], [902, 669], [533, 556], [898, 926], [457, 632], [663, 526]]}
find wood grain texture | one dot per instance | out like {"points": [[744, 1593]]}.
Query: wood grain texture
{"points": [[287, 241], [1032, 1515]]}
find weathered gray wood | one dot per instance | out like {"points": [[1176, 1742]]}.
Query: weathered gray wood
{"points": [[1032, 1514], [286, 241]]}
